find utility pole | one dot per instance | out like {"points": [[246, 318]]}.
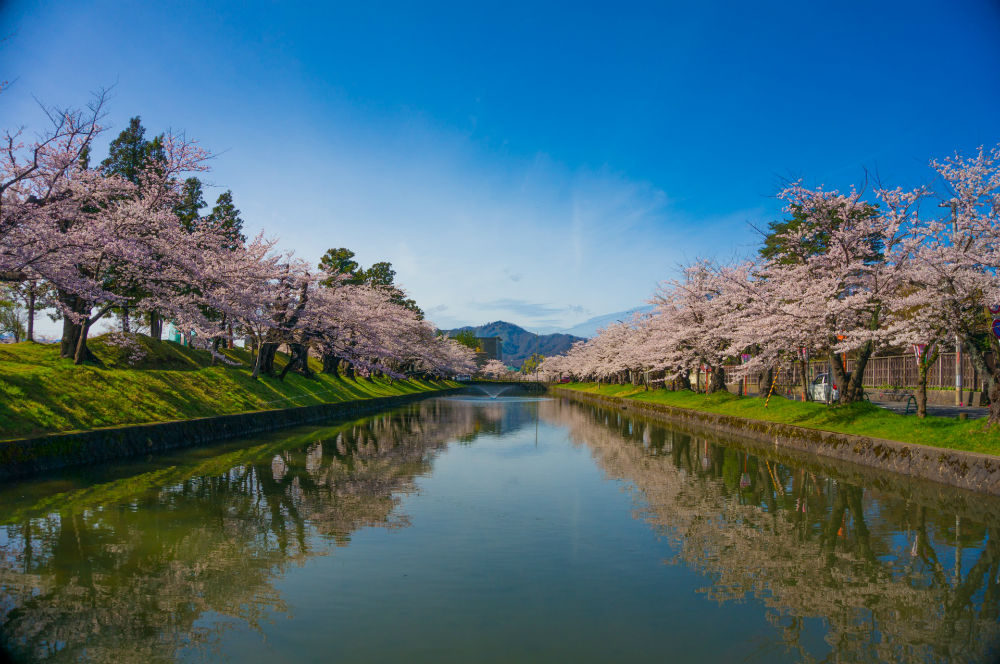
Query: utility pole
{"points": [[958, 343]]}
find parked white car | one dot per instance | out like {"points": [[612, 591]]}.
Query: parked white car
{"points": [[819, 389]]}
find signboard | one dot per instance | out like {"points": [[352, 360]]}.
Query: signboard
{"points": [[994, 309], [996, 327]]}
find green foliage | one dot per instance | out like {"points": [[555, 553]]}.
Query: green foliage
{"points": [[41, 393], [130, 153], [20, 302], [225, 218], [817, 237], [383, 276], [380, 274], [340, 261], [188, 209], [468, 339], [12, 318], [862, 418], [775, 245], [531, 364]]}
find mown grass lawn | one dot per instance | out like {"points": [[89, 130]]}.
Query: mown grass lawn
{"points": [[860, 418], [42, 393]]}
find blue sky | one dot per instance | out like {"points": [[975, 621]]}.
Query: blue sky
{"points": [[539, 164]]}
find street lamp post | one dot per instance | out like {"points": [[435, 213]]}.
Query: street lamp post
{"points": [[958, 342]]}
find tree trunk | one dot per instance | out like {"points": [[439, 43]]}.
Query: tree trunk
{"points": [[716, 380], [265, 359], [921, 390], [70, 335], [805, 380], [298, 360], [330, 364], [856, 385], [924, 365], [990, 370], [126, 321], [293, 359], [839, 377], [83, 353], [684, 380], [851, 388], [12, 276], [31, 311], [81, 343], [71, 329], [155, 325], [764, 382]]}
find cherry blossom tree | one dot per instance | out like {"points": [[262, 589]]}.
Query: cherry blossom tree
{"points": [[957, 258], [845, 276], [129, 239], [494, 369], [691, 332], [838, 295], [37, 185]]}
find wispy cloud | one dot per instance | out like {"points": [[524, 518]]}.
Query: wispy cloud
{"points": [[533, 310], [488, 235], [513, 276]]}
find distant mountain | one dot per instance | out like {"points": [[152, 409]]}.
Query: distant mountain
{"points": [[589, 328], [519, 344]]}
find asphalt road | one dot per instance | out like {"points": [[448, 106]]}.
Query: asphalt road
{"points": [[972, 412]]}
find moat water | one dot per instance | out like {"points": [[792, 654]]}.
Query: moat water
{"points": [[466, 529]]}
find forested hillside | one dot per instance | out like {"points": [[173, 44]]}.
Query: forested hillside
{"points": [[519, 344]]}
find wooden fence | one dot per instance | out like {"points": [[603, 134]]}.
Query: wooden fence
{"points": [[894, 371]]}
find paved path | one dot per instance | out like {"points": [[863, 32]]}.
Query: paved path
{"points": [[972, 412]]}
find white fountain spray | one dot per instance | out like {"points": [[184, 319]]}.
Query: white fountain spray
{"points": [[492, 395]]}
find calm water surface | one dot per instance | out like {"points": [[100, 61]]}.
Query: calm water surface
{"points": [[493, 530]]}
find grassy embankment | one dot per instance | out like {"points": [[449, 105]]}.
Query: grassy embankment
{"points": [[41, 393], [862, 419]]}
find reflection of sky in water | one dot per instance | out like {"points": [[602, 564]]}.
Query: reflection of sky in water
{"points": [[542, 537]]}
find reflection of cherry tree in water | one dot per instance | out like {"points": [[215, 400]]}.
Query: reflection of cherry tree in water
{"points": [[807, 546], [123, 571]]}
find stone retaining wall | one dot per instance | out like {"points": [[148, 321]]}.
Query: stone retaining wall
{"points": [[967, 470], [28, 456]]}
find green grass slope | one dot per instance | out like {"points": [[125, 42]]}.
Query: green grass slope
{"points": [[42, 393], [862, 419]]}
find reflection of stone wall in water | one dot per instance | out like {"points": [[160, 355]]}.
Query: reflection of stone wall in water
{"points": [[803, 545], [129, 584]]}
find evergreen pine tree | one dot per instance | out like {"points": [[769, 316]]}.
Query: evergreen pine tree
{"points": [[226, 218], [188, 210]]}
